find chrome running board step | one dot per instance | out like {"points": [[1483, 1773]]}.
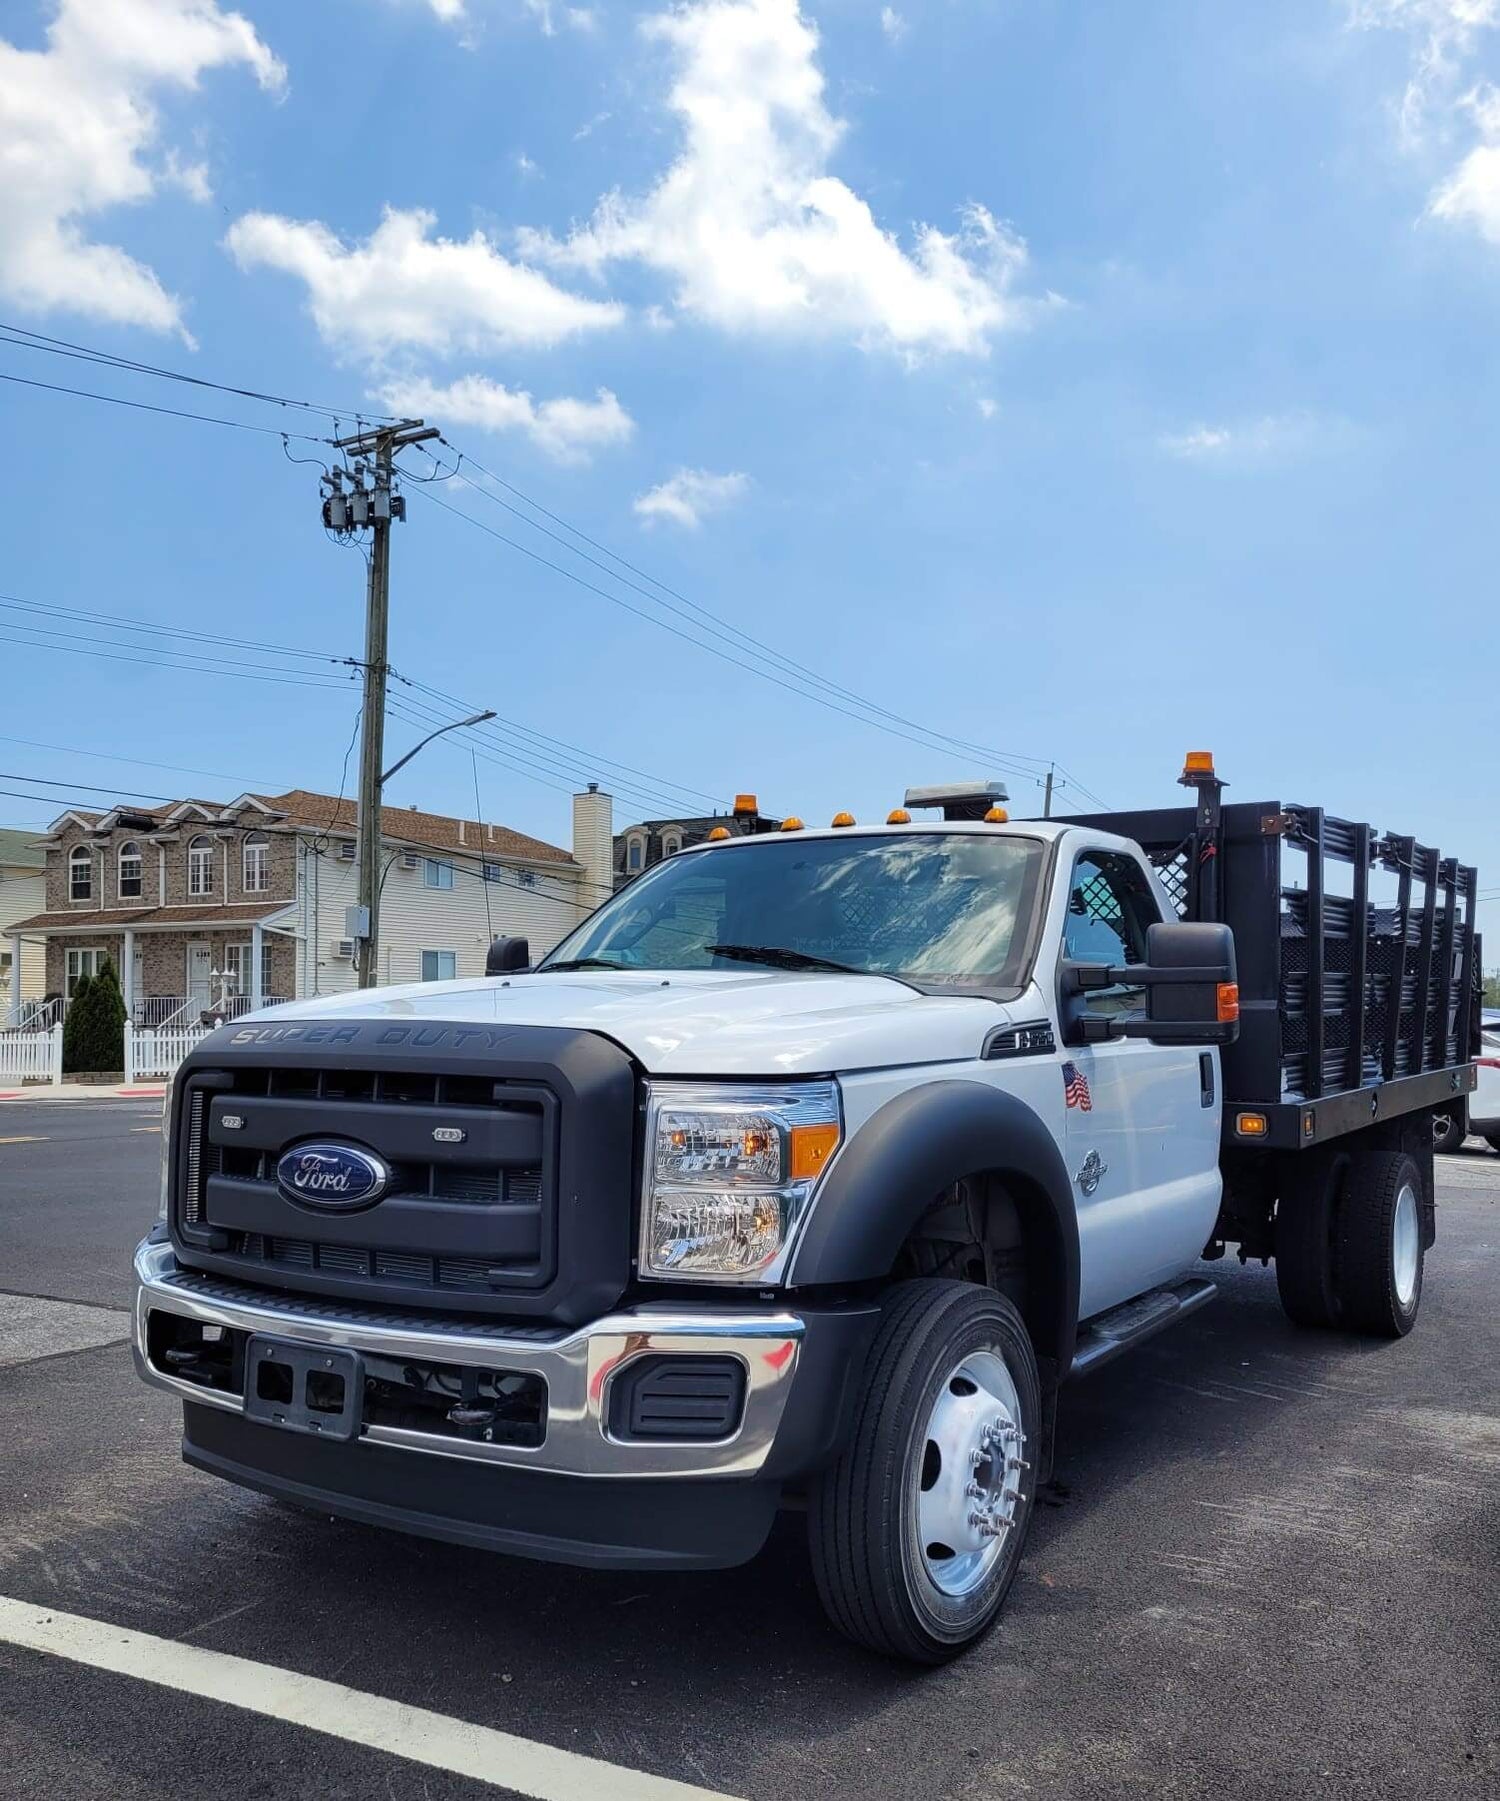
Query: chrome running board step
{"points": [[1110, 1333]]}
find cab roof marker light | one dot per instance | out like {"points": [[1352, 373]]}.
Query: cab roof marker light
{"points": [[996, 816], [718, 834], [898, 816], [791, 823], [843, 819]]}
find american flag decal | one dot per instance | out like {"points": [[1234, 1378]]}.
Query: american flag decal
{"points": [[1076, 1088]]}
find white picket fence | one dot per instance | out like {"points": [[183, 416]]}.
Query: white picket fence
{"points": [[153, 1056], [31, 1056]]}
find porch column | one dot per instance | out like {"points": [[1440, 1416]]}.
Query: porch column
{"points": [[15, 978], [257, 966], [127, 975]]}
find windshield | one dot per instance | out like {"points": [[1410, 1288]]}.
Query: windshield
{"points": [[930, 907]]}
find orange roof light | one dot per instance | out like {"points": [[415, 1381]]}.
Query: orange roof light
{"points": [[791, 823], [718, 834], [996, 816], [843, 819], [898, 816], [746, 803], [1198, 762]]}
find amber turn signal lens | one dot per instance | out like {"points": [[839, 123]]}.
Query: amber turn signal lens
{"points": [[812, 1146], [1229, 1002], [1250, 1125]]}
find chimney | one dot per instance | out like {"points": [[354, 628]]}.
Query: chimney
{"points": [[594, 846], [460, 831]]}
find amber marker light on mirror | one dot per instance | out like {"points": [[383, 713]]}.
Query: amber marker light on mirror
{"points": [[1229, 1002]]}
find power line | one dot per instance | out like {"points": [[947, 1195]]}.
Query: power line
{"points": [[171, 412], [105, 756], [24, 339], [118, 622], [202, 666]]}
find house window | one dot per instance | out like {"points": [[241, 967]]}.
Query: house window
{"points": [[436, 874], [237, 968], [81, 874], [201, 865], [635, 855], [130, 870], [257, 863], [347, 850], [439, 966], [526, 877], [493, 872], [81, 963], [671, 844]]}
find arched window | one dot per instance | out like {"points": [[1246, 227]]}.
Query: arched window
{"points": [[257, 863], [635, 854], [80, 873], [129, 887], [201, 865], [671, 843]]}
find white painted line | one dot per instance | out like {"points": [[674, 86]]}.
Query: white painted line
{"points": [[25, 1140], [414, 1733]]}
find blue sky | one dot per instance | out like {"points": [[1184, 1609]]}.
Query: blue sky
{"points": [[1078, 381]]}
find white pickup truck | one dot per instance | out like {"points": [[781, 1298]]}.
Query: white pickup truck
{"points": [[803, 1174]]}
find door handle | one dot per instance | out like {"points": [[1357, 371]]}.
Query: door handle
{"points": [[1205, 1079]]}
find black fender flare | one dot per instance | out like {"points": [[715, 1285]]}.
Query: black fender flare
{"points": [[909, 1151]]}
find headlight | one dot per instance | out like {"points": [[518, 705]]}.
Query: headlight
{"points": [[729, 1174], [166, 1150]]}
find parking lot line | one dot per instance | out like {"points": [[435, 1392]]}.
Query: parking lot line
{"points": [[23, 1138], [415, 1733]]}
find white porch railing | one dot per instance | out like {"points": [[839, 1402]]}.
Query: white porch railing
{"points": [[36, 1016], [153, 1011], [31, 1056], [154, 1056]]}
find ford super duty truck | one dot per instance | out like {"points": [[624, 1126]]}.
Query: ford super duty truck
{"points": [[802, 1174]]}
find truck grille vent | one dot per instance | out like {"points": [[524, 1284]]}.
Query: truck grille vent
{"points": [[412, 1267]]}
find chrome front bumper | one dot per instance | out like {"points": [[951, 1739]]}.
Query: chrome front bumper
{"points": [[577, 1367]]}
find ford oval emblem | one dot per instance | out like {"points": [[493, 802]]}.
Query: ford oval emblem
{"points": [[331, 1176]]}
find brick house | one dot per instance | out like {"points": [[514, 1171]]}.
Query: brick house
{"points": [[637, 847], [201, 903]]}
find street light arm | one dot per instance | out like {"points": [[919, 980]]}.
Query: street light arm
{"points": [[452, 726]]}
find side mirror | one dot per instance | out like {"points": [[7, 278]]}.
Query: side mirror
{"points": [[507, 956], [1192, 995]]}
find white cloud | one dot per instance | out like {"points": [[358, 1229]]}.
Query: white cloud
{"points": [[576, 18], [892, 24], [403, 288], [1442, 100], [987, 407], [525, 166], [687, 497], [567, 430], [79, 125], [754, 231], [1271, 437]]}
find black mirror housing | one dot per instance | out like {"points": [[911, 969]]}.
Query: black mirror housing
{"points": [[1192, 996], [507, 956]]}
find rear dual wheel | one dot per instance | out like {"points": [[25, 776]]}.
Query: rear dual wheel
{"points": [[916, 1531], [1350, 1241]]}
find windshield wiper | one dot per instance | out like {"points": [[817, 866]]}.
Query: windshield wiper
{"points": [[780, 956], [582, 963]]}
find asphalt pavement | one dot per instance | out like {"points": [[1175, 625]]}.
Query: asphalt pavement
{"points": [[1272, 1571]]}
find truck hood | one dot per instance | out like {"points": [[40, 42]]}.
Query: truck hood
{"points": [[697, 1022]]}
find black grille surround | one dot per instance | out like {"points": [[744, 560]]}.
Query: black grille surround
{"points": [[527, 1215]]}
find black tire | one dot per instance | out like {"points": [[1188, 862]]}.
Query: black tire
{"points": [[872, 1575], [1383, 1189], [1449, 1130], [1307, 1216]]}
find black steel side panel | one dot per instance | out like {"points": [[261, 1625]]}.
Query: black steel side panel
{"points": [[588, 1262]]}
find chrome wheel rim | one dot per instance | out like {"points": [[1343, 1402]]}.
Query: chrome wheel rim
{"points": [[1406, 1241], [969, 1474]]}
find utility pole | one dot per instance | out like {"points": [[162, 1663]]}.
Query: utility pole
{"points": [[377, 507], [1047, 795]]}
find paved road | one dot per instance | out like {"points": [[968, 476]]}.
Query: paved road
{"points": [[1275, 1572]]}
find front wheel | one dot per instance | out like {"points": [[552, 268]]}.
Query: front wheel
{"points": [[916, 1531]]}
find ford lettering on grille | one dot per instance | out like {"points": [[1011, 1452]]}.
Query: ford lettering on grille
{"points": [[331, 1176]]}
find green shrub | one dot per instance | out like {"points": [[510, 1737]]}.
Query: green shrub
{"points": [[94, 1030]]}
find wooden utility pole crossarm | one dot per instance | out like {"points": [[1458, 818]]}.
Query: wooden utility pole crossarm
{"points": [[377, 507]]}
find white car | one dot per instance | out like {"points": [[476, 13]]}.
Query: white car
{"points": [[1484, 1103]]}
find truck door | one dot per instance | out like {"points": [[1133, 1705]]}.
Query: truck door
{"points": [[1142, 1119]]}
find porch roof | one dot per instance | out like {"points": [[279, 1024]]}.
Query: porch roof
{"points": [[154, 919]]}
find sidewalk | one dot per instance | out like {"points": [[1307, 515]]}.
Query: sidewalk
{"points": [[85, 1091]]}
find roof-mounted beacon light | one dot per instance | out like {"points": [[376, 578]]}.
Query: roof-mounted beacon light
{"points": [[960, 800], [1198, 769]]}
